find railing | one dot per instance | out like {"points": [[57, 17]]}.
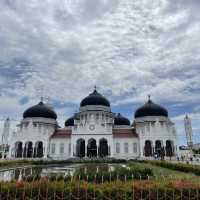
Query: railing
{"points": [[148, 188]]}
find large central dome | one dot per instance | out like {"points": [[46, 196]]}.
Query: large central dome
{"points": [[95, 98]]}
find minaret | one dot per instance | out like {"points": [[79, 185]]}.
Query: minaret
{"points": [[6, 131], [188, 131], [4, 138]]}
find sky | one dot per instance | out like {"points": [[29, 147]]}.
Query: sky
{"points": [[128, 49]]}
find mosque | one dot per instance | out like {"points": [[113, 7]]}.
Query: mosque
{"points": [[94, 131]]}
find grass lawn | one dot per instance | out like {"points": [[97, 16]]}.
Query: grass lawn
{"points": [[161, 173]]}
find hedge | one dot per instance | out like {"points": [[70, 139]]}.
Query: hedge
{"points": [[10, 163], [188, 168]]}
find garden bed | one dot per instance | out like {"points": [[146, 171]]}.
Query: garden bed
{"points": [[151, 190]]}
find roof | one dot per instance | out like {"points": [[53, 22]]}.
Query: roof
{"points": [[69, 122], [95, 98], [121, 120], [124, 133], [151, 109], [40, 110], [62, 133]]}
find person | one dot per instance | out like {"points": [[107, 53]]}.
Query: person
{"points": [[182, 158]]}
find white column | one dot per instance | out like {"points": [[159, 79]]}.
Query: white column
{"points": [[45, 152], [86, 143], [10, 151], [71, 150], [23, 150], [111, 146], [3, 152]]}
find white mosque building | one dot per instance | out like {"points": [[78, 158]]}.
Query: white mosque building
{"points": [[94, 131]]}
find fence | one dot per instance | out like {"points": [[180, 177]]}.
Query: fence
{"points": [[78, 189]]}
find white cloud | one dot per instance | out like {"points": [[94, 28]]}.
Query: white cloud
{"points": [[127, 48]]}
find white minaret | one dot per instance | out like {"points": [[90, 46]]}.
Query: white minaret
{"points": [[188, 131], [6, 131], [4, 138]]}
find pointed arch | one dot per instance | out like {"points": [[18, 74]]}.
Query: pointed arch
{"points": [[92, 148], [103, 147], [80, 148]]}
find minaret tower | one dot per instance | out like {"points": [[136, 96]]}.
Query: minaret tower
{"points": [[6, 131], [188, 131], [4, 138]]}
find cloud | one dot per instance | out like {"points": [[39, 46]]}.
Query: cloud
{"points": [[127, 48]]}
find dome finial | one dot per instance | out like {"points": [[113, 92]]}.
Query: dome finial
{"points": [[95, 88], [41, 99]]}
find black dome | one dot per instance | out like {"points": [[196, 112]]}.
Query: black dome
{"points": [[69, 122], [40, 110], [95, 98], [121, 120], [151, 109]]}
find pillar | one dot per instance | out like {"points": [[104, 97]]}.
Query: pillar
{"points": [[110, 147], [23, 150], [86, 143]]}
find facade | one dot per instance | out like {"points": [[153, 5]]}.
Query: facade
{"points": [[94, 131]]}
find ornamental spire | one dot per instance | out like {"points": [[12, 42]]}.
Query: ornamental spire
{"points": [[41, 99]]}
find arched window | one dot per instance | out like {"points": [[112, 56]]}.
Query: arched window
{"points": [[92, 148], [62, 148], [169, 148], [69, 148], [39, 149], [18, 149], [103, 148], [80, 148], [135, 147], [125, 147], [28, 150], [53, 148], [148, 148], [117, 147]]}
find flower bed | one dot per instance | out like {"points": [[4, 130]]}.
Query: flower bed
{"points": [[143, 189]]}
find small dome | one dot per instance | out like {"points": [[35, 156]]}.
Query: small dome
{"points": [[121, 120], [95, 98], [151, 109], [40, 110], [69, 122]]}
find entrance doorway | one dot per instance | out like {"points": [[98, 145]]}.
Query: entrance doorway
{"points": [[80, 148], [39, 149], [148, 148], [92, 148], [169, 148], [103, 148], [158, 148]]}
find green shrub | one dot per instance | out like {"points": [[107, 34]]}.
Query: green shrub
{"points": [[195, 169]]}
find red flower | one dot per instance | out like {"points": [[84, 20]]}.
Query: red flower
{"points": [[19, 184], [183, 184], [44, 179]]}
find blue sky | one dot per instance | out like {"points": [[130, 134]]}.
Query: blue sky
{"points": [[129, 49]]}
